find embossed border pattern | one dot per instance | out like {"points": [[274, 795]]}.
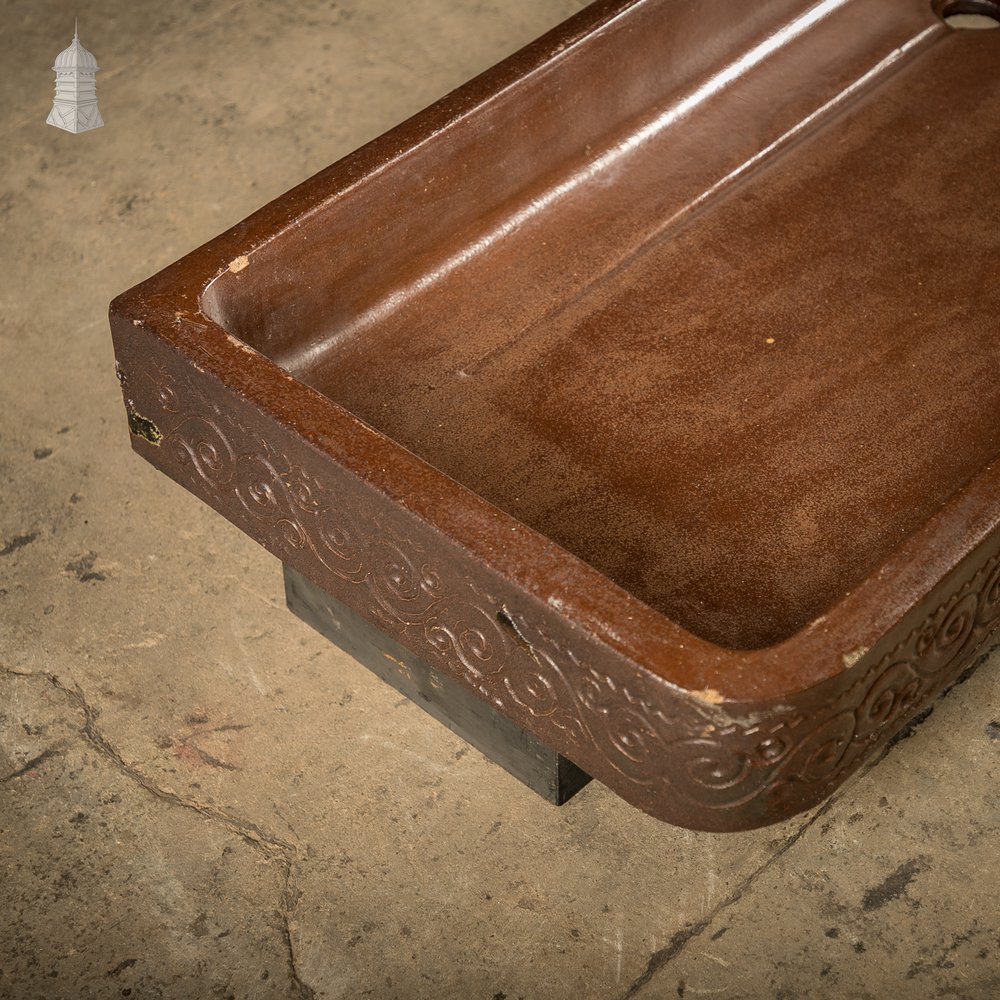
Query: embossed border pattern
{"points": [[710, 767]]}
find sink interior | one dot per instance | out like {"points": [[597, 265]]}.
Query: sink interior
{"points": [[734, 399]]}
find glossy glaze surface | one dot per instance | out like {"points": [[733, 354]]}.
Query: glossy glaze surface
{"points": [[734, 416], [672, 341]]}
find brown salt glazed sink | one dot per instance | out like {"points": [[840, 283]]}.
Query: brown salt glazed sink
{"points": [[648, 386]]}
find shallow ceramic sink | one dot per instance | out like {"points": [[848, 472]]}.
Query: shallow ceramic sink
{"points": [[648, 386]]}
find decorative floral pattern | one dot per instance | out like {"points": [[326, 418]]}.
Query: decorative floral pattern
{"points": [[673, 755]]}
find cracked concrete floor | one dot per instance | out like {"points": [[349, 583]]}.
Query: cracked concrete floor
{"points": [[199, 797]]}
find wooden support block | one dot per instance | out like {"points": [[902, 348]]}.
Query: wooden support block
{"points": [[505, 743]]}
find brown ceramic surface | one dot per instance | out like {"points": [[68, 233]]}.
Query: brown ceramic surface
{"points": [[648, 384]]}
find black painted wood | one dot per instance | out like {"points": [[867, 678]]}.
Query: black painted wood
{"points": [[543, 770]]}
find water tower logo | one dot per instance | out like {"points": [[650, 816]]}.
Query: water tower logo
{"points": [[75, 106]]}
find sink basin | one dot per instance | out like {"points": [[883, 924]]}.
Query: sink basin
{"points": [[648, 386]]}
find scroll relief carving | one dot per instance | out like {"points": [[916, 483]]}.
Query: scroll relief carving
{"points": [[715, 763], [793, 758]]}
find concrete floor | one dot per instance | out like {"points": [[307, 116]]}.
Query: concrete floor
{"points": [[199, 797]]}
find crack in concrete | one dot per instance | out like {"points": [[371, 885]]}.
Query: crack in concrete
{"points": [[271, 846], [245, 829], [188, 744], [18, 673], [29, 765], [290, 896], [678, 942]]}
